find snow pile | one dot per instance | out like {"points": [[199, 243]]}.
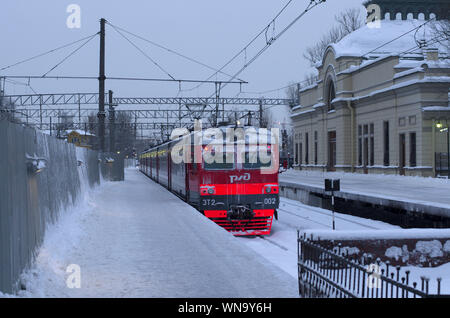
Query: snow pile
{"points": [[394, 252], [447, 247], [430, 248], [51, 262], [346, 250]]}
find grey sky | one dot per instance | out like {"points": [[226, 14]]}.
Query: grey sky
{"points": [[211, 31]]}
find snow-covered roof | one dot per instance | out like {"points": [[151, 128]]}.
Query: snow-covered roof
{"points": [[80, 132], [370, 38]]}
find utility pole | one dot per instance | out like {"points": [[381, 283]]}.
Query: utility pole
{"points": [[112, 123], [216, 117], [101, 88], [261, 114]]}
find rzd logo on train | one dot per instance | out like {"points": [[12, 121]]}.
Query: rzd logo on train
{"points": [[244, 177]]}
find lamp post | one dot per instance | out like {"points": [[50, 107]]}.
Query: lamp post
{"points": [[441, 128]]}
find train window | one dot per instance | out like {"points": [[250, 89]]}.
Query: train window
{"points": [[253, 161], [224, 165]]}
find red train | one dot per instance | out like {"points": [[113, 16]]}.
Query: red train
{"points": [[242, 196]]}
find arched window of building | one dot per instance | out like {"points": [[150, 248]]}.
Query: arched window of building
{"points": [[331, 95]]}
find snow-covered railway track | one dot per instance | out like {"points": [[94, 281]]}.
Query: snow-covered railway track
{"points": [[322, 213]]}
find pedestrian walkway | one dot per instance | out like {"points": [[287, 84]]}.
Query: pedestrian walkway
{"points": [[140, 240]]}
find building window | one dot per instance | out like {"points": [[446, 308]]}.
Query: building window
{"points": [[402, 121], [307, 148], [316, 147], [372, 145], [412, 150], [366, 145], [296, 153], [300, 154], [331, 95], [412, 120], [360, 145], [386, 143]]}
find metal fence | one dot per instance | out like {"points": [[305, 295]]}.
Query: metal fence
{"points": [[39, 178], [324, 273]]}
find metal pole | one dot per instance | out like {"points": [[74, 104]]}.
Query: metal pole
{"points": [[112, 121], [448, 151], [332, 209], [40, 111], [101, 87], [79, 110], [261, 114], [50, 126]]}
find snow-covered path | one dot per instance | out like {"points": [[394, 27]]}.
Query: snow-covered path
{"points": [[139, 240]]}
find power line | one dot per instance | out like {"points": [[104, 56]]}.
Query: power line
{"points": [[143, 53], [400, 36], [121, 79], [428, 42], [72, 53], [312, 4], [244, 50], [45, 53], [170, 50]]}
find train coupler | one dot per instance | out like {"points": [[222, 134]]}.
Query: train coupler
{"points": [[240, 212]]}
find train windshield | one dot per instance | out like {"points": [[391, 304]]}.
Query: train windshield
{"points": [[253, 159], [220, 161]]}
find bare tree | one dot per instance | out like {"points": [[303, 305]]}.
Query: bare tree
{"points": [[441, 33], [125, 134], [350, 20], [347, 22], [310, 79], [292, 92]]}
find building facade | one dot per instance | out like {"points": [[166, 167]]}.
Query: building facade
{"points": [[378, 106], [81, 139]]}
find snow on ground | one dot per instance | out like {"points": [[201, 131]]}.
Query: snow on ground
{"points": [[135, 239], [280, 247], [430, 191]]}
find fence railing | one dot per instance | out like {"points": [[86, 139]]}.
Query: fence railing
{"points": [[325, 273]]}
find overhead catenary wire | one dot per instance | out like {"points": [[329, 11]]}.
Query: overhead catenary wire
{"points": [[70, 54], [46, 53], [244, 50], [142, 52], [311, 5], [56, 77], [170, 50], [411, 50]]}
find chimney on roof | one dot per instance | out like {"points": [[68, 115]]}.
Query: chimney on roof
{"points": [[431, 54]]}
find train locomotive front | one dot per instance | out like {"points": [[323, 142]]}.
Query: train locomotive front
{"points": [[242, 197], [234, 184]]}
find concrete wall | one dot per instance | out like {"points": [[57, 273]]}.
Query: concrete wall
{"points": [[39, 177]]}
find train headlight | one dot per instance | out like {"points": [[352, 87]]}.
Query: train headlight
{"points": [[270, 189], [207, 190]]}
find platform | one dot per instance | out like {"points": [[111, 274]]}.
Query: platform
{"points": [[140, 240], [416, 194]]}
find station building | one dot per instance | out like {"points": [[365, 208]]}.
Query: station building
{"points": [[380, 106]]}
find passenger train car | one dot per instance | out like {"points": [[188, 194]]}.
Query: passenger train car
{"points": [[242, 196]]}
